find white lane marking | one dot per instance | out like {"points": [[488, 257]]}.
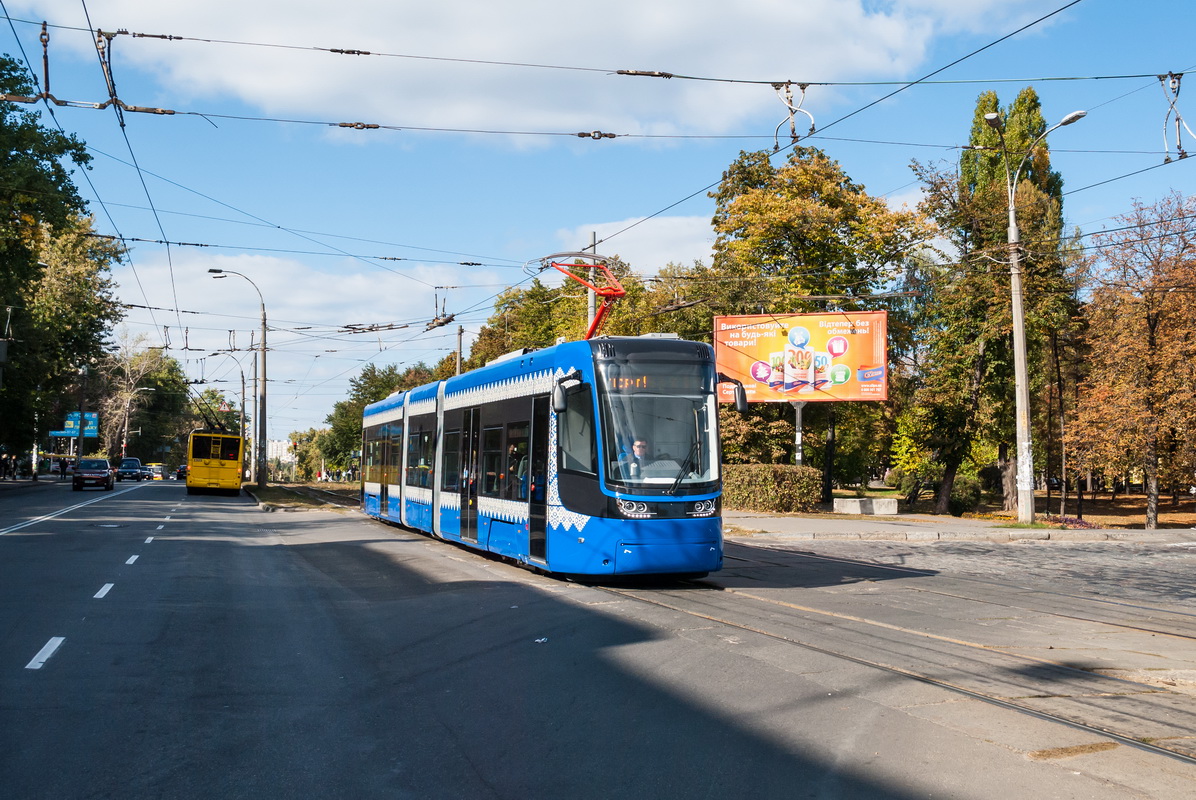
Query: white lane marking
{"points": [[160, 527], [107, 588], [67, 510], [44, 654], [150, 539], [167, 518], [131, 559]]}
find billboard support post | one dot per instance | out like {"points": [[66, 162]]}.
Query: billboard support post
{"points": [[798, 405]]}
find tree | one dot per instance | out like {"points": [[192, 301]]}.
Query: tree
{"points": [[965, 383], [787, 237], [37, 197], [1135, 409], [339, 446]]}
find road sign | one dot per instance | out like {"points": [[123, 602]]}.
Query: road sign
{"points": [[91, 425]]}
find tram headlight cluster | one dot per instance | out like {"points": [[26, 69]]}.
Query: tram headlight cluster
{"points": [[704, 508], [636, 509]]}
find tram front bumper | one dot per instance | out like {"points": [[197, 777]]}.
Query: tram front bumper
{"points": [[673, 558]]}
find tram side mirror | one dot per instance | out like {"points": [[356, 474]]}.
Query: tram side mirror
{"points": [[559, 403], [741, 403]]}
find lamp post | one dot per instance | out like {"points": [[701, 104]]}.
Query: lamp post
{"points": [[260, 454], [124, 439], [1021, 377]]}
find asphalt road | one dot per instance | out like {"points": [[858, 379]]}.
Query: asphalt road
{"points": [[156, 644]]}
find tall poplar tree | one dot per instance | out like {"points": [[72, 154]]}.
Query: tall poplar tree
{"points": [[966, 384]]}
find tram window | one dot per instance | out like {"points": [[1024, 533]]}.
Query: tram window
{"points": [[492, 461], [576, 432], [373, 454], [514, 485], [396, 449], [452, 461], [419, 464], [231, 450]]}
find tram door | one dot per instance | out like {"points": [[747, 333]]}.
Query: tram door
{"points": [[538, 494], [471, 437], [384, 461]]}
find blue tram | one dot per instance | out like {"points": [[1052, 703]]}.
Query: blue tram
{"points": [[530, 457]]}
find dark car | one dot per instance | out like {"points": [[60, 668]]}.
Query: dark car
{"points": [[130, 468], [92, 472], [181, 474]]}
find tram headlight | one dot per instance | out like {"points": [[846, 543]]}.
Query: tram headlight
{"points": [[635, 509], [704, 508]]}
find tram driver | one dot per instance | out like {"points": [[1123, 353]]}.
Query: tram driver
{"points": [[634, 463]]}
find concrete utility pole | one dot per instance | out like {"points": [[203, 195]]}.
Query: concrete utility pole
{"points": [[1021, 376], [591, 295]]}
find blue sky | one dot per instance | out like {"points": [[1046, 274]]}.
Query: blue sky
{"points": [[484, 169]]}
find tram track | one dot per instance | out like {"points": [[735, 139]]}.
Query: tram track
{"points": [[1070, 693], [1177, 618]]}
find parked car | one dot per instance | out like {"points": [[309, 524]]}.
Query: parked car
{"points": [[93, 472], [129, 469]]}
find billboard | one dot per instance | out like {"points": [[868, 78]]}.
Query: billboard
{"points": [[840, 355], [70, 428]]}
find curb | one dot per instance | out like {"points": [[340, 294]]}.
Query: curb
{"points": [[987, 535]]}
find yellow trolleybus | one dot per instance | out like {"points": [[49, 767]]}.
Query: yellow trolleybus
{"points": [[214, 462]]}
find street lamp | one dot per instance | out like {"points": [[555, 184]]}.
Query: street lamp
{"points": [[124, 439], [260, 458], [1021, 378]]}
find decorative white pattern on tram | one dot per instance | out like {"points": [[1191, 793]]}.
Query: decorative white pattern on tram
{"points": [[558, 515], [525, 386], [426, 406], [418, 494], [508, 510]]}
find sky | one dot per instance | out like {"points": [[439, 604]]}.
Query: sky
{"points": [[269, 166]]}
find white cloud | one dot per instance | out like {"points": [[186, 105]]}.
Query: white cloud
{"points": [[442, 84]]}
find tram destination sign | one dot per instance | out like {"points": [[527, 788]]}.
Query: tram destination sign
{"points": [[840, 355]]}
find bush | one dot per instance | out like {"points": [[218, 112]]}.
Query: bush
{"points": [[965, 495], [771, 487]]}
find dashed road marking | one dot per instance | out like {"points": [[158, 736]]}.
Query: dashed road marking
{"points": [[106, 588], [131, 559], [150, 539], [44, 654]]}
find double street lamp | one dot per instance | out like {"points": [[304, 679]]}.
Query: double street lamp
{"points": [[124, 439], [1025, 456], [260, 445]]}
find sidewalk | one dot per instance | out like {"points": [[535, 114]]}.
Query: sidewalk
{"points": [[922, 528], [29, 483]]}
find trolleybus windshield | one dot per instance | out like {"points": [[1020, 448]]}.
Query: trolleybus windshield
{"points": [[671, 410]]}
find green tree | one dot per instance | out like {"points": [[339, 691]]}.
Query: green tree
{"points": [[36, 198], [339, 446], [788, 238], [965, 378]]}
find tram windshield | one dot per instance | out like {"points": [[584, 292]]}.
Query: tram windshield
{"points": [[660, 423]]}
